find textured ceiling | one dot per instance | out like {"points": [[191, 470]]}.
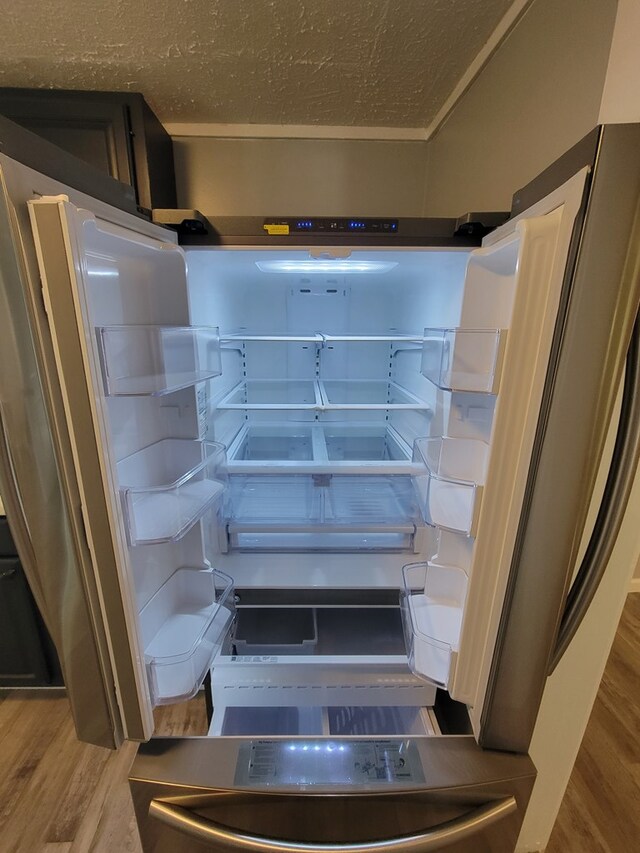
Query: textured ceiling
{"points": [[327, 62]]}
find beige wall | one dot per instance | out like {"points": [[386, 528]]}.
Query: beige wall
{"points": [[281, 177], [539, 94], [621, 96]]}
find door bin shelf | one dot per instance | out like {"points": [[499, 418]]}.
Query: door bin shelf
{"points": [[463, 359], [166, 487], [157, 360], [432, 602], [450, 489], [183, 627]]}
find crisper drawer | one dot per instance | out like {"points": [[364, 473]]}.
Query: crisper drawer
{"points": [[323, 512]]}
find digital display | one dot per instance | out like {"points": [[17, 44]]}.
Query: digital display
{"points": [[323, 225], [302, 762]]}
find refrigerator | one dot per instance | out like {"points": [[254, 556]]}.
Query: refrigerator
{"points": [[335, 469]]}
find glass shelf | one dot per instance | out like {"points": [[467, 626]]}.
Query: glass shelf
{"points": [[183, 627], [450, 489], [168, 486], [272, 394], [367, 394], [320, 395], [273, 442], [363, 443], [463, 359], [316, 446], [432, 602], [321, 338], [157, 360]]}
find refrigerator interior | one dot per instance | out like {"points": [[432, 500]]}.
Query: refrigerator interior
{"points": [[345, 432], [285, 435]]}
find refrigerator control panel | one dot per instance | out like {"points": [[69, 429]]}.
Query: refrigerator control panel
{"points": [[329, 225], [302, 762]]}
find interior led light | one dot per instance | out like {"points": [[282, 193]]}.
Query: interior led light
{"points": [[342, 266]]}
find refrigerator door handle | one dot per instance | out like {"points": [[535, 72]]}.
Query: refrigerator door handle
{"points": [[11, 497], [226, 839], [620, 479]]}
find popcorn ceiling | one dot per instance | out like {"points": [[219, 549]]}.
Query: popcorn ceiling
{"points": [[326, 62]]}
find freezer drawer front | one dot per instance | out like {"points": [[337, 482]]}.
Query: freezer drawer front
{"points": [[201, 795]]}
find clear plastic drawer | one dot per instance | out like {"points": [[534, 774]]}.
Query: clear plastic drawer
{"points": [[450, 489], [432, 600], [268, 499], [168, 486], [463, 359], [183, 627], [156, 360], [326, 512]]}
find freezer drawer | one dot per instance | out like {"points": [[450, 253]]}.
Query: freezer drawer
{"points": [[383, 794], [334, 721]]}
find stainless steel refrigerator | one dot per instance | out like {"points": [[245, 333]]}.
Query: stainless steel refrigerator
{"points": [[339, 469]]}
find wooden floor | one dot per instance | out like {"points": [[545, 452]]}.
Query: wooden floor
{"points": [[59, 796], [600, 812]]}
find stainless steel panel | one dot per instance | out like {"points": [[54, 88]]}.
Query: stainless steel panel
{"points": [[601, 298], [78, 418], [187, 798], [620, 479], [469, 825], [37, 479]]}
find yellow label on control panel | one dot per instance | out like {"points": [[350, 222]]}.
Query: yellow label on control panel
{"points": [[273, 228]]}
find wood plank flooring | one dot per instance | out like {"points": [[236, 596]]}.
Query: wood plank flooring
{"points": [[60, 796], [600, 812]]}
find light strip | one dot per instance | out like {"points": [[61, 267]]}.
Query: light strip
{"points": [[343, 266]]}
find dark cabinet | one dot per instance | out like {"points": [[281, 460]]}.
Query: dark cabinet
{"points": [[27, 655], [114, 131]]}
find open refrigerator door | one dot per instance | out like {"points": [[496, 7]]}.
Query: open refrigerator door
{"points": [[324, 470]]}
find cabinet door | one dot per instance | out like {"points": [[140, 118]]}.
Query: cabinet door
{"points": [[88, 125], [22, 658], [116, 132]]}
